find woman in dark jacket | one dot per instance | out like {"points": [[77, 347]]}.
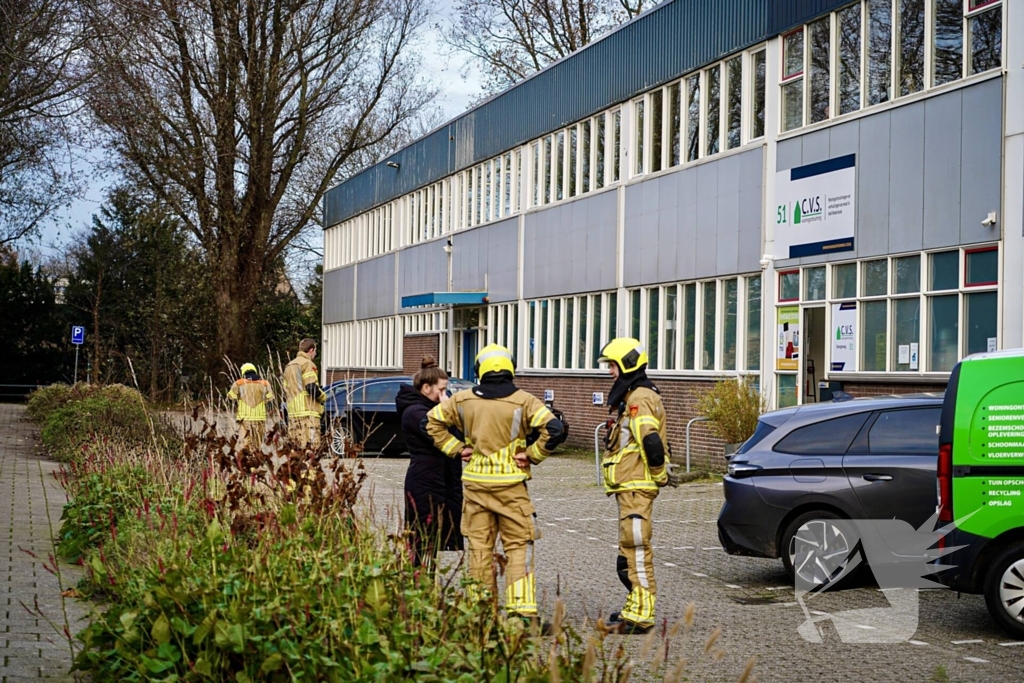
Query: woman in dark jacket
{"points": [[433, 483]]}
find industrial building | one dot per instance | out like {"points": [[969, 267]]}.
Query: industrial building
{"points": [[819, 195]]}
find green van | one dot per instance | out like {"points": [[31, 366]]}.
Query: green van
{"points": [[981, 482]]}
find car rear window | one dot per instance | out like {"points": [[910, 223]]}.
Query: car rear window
{"points": [[763, 430], [828, 437], [905, 432]]}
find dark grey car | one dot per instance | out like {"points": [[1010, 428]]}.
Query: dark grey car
{"points": [[803, 467]]}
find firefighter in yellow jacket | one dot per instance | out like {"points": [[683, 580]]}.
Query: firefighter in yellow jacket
{"points": [[490, 427], [305, 399], [636, 466], [252, 395]]}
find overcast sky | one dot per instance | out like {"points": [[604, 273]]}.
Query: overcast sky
{"points": [[442, 67]]}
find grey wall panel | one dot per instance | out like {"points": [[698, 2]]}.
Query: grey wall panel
{"points": [[906, 179], [872, 236], [375, 280], [713, 229], [422, 269], [844, 139], [339, 295], [816, 146], [789, 154], [570, 248], [981, 150], [942, 139], [487, 257]]}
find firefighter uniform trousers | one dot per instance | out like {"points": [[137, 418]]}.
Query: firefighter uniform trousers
{"points": [[636, 561], [252, 433], [488, 513], [305, 432]]}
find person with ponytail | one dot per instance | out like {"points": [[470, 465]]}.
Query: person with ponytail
{"points": [[433, 482]]}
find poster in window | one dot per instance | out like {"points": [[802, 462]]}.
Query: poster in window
{"points": [[844, 337], [788, 356], [814, 208]]}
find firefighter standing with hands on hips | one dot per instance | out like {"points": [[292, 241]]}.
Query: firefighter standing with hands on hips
{"points": [[636, 466], [488, 426]]}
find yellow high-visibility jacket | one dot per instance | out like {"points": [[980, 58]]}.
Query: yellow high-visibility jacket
{"points": [[496, 429], [252, 395], [299, 372], [625, 463]]}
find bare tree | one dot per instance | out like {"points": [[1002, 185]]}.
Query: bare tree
{"points": [[511, 39], [240, 114], [39, 77]]}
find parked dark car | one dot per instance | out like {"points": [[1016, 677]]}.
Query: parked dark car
{"points": [[806, 466], [363, 410]]}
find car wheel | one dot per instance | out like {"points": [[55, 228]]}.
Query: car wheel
{"points": [[816, 549], [340, 438], [1004, 590]]}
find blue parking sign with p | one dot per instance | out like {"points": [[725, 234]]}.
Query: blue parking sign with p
{"points": [[77, 335]]}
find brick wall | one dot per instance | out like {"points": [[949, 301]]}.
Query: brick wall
{"points": [[414, 348], [861, 389], [574, 397]]}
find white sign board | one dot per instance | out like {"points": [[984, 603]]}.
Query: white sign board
{"points": [[598, 398], [549, 395], [814, 208], [844, 337]]}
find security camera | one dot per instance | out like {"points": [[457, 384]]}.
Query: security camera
{"points": [[990, 219], [394, 164], [766, 261]]}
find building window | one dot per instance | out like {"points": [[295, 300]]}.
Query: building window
{"points": [[616, 143], [915, 313], [573, 149], [579, 327], [674, 125], [689, 325], [546, 178], [820, 58], [948, 45], [753, 315], [814, 284], [734, 103], [730, 317], [653, 323], [985, 28], [911, 46], [713, 78], [657, 121], [599, 144], [889, 39], [709, 299], [759, 68], [641, 134], [559, 164], [849, 37], [792, 80], [789, 285], [693, 117], [585, 147]]}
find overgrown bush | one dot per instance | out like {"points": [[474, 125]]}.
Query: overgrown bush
{"points": [[71, 417], [733, 408]]}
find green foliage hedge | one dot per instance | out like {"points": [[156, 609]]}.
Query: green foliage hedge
{"points": [[211, 564]]}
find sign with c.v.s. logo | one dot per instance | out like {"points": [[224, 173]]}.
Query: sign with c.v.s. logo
{"points": [[844, 337], [814, 208]]}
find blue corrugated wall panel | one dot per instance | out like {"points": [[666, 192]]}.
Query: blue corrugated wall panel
{"points": [[674, 38]]}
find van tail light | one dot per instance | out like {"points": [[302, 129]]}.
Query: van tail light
{"points": [[945, 482]]}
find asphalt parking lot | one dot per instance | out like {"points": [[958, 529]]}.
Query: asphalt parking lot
{"points": [[751, 600]]}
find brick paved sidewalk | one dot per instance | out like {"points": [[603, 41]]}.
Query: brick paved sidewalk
{"points": [[31, 500]]}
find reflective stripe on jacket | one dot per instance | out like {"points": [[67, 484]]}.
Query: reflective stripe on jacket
{"points": [[496, 429], [625, 463], [252, 396], [299, 372]]}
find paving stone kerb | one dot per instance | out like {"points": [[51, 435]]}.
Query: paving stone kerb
{"points": [[31, 501]]}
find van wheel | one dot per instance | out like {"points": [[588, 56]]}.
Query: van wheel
{"points": [[1004, 590], [816, 550]]}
